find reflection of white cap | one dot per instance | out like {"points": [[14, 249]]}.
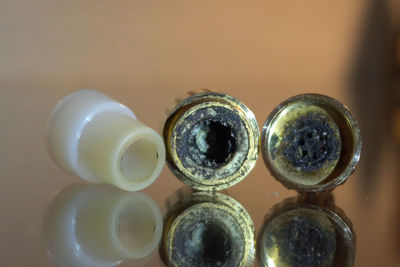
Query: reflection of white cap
{"points": [[94, 225], [100, 140]]}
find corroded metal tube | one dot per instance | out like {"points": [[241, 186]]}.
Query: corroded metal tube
{"points": [[311, 143], [212, 141]]}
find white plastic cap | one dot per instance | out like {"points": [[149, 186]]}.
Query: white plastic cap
{"points": [[100, 140]]}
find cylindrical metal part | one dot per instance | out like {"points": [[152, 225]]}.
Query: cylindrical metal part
{"points": [[311, 143], [212, 141]]}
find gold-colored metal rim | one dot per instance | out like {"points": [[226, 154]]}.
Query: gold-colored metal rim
{"points": [[341, 224], [197, 102], [350, 142], [206, 200]]}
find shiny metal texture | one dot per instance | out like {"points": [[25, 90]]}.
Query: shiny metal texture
{"points": [[212, 141], [311, 143]]}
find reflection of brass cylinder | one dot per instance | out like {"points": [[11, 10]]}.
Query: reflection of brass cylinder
{"points": [[212, 141], [311, 143], [208, 229], [298, 232]]}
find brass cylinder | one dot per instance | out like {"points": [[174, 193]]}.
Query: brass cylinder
{"points": [[212, 141], [311, 143], [207, 229], [299, 233]]}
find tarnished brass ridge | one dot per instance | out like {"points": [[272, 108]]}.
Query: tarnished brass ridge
{"points": [[212, 141], [207, 229], [311, 143], [300, 233]]}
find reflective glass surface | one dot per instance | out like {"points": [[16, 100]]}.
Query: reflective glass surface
{"points": [[150, 54]]}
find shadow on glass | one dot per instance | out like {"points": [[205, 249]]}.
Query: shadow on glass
{"points": [[96, 225]]}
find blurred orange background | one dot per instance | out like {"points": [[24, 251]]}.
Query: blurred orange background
{"points": [[147, 54]]}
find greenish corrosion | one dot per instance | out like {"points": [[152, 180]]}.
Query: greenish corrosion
{"points": [[212, 141], [208, 229]]}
